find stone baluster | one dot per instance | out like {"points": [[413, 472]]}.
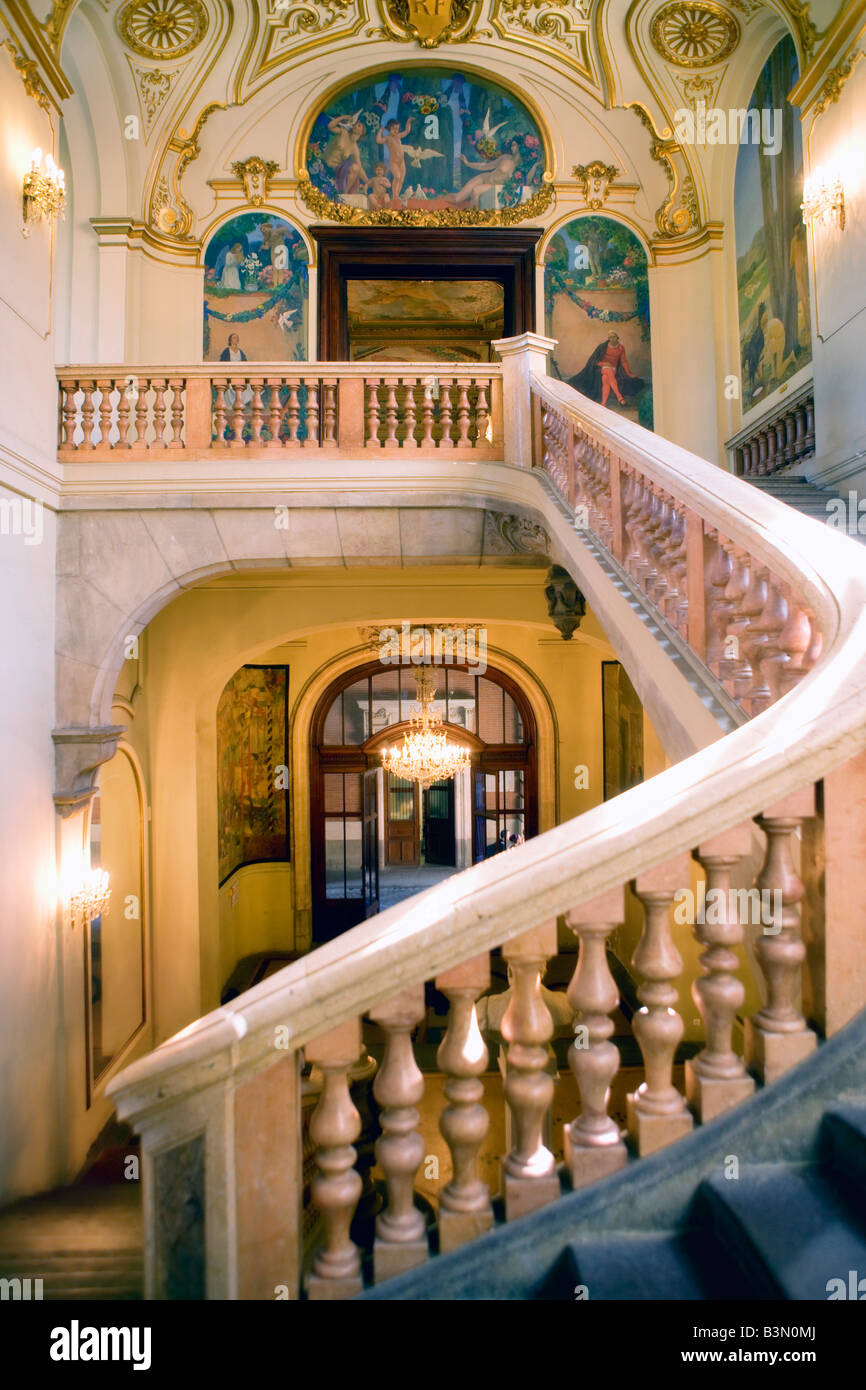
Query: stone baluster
{"points": [[409, 421], [777, 1036], [329, 424], [750, 608], [657, 1113], [463, 384], [719, 606], [764, 648], [716, 1079], [427, 441], [220, 414], [257, 413], [789, 438], [391, 441], [312, 439], [796, 641], [275, 412], [401, 1241], [730, 661], [465, 1210], [762, 453], [238, 385], [87, 413], [594, 1145], [122, 416], [482, 415], [530, 1173], [293, 413], [809, 436], [176, 436], [372, 412], [799, 433], [771, 448], [336, 1188], [69, 390], [445, 442], [159, 389], [105, 412]]}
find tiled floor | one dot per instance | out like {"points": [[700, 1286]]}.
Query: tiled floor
{"points": [[396, 884]]}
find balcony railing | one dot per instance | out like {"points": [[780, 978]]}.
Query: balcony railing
{"points": [[785, 437], [337, 409]]}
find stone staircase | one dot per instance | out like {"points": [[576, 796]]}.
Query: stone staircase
{"points": [[797, 492], [83, 1242]]}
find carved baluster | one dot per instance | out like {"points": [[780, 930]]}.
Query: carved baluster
{"points": [[783, 665], [719, 606], [446, 442], [122, 416], [238, 386], [762, 453], [799, 433], [312, 439], [293, 415], [482, 416], [257, 412], [336, 1188], [809, 437], [275, 412], [462, 412], [530, 1173], [764, 649], [730, 662], [104, 387], [329, 430], [657, 1113], [427, 441], [464, 1203], [391, 441], [373, 412], [87, 414], [777, 1037], [159, 389], [220, 414], [141, 410], [409, 416], [69, 390], [401, 1241], [593, 1144], [750, 609], [716, 1079], [177, 413]]}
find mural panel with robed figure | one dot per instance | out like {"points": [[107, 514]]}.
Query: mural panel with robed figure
{"points": [[255, 291]]}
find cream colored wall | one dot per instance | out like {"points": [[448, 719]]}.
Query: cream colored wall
{"points": [[309, 619]]}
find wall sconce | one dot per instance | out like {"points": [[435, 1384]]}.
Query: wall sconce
{"points": [[44, 190], [90, 898], [824, 200]]}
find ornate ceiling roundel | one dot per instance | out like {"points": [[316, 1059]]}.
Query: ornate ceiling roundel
{"points": [[694, 35], [162, 28]]}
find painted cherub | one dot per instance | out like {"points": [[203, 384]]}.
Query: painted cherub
{"points": [[378, 188], [391, 136]]}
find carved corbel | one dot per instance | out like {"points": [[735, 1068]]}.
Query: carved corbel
{"points": [[78, 755], [566, 605]]}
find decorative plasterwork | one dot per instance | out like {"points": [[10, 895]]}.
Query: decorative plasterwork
{"points": [[153, 86], [678, 214], [429, 22], [700, 88], [559, 27], [293, 27], [170, 213], [28, 71], [508, 533], [322, 206], [694, 33], [165, 29], [371, 633], [798, 13], [595, 180], [255, 174], [835, 81]]}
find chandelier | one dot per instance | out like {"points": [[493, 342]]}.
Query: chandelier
{"points": [[426, 756]]}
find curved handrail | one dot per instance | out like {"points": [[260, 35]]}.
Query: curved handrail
{"points": [[810, 731]]}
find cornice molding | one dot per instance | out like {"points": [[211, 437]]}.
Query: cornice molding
{"points": [[822, 81], [37, 61]]}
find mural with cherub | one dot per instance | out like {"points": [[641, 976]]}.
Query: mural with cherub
{"points": [[596, 300], [425, 140], [255, 291]]}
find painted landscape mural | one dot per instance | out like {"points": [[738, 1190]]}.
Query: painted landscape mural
{"points": [[255, 291], [772, 275], [252, 755], [596, 301], [425, 139]]}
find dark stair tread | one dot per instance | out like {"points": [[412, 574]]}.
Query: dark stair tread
{"points": [[785, 1227], [655, 1266]]}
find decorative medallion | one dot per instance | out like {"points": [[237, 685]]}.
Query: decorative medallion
{"points": [[595, 180], [153, 87], [695, 35], [430, 22], [255, 174], [162, 28]]}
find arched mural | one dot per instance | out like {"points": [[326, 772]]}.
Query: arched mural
{"points": [[772, 274], [596, 302], [425, 144], [256, 291]]}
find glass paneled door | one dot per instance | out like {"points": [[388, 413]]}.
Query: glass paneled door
{"points": [[370, 864]]}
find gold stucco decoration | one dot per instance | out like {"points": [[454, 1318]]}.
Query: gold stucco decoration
{"points": [[162, 28], [255, 174], [323, 206], [430, 22], [595, 180], [694, 35]]}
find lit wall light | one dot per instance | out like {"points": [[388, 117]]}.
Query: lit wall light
{"points": [[44, 190], [824, 200], [90, 897]]}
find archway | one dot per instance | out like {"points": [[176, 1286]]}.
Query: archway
{"points": [[364, 826]]}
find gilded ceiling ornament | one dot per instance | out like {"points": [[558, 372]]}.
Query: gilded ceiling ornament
{"points": [[552, 24], [700, 89], [595, 180], [694, 34], [679, 213], [430, 22], [255, 174], [320, 204], [28, 70], [835, 81], [162, 28], [806, 31], [169, 210], [153, 87]]}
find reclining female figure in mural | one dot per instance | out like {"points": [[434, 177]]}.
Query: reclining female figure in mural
{"points": [[494, 171], [607, 370]]}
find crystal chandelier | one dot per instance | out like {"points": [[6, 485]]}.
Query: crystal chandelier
{"points": [[425, 756]]}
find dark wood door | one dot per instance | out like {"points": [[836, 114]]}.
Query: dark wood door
{"points": [[370, 842], [440, 843], [402, 829]]}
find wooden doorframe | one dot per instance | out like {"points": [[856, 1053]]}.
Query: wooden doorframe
{"points": [[501, 254]]}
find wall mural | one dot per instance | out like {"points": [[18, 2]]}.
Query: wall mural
{"points": [[772, 275], [596, 302], [426, 146], [255, 291], [252, 758]]}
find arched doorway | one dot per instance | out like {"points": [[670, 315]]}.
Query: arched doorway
{"points": [[364, 825]]}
